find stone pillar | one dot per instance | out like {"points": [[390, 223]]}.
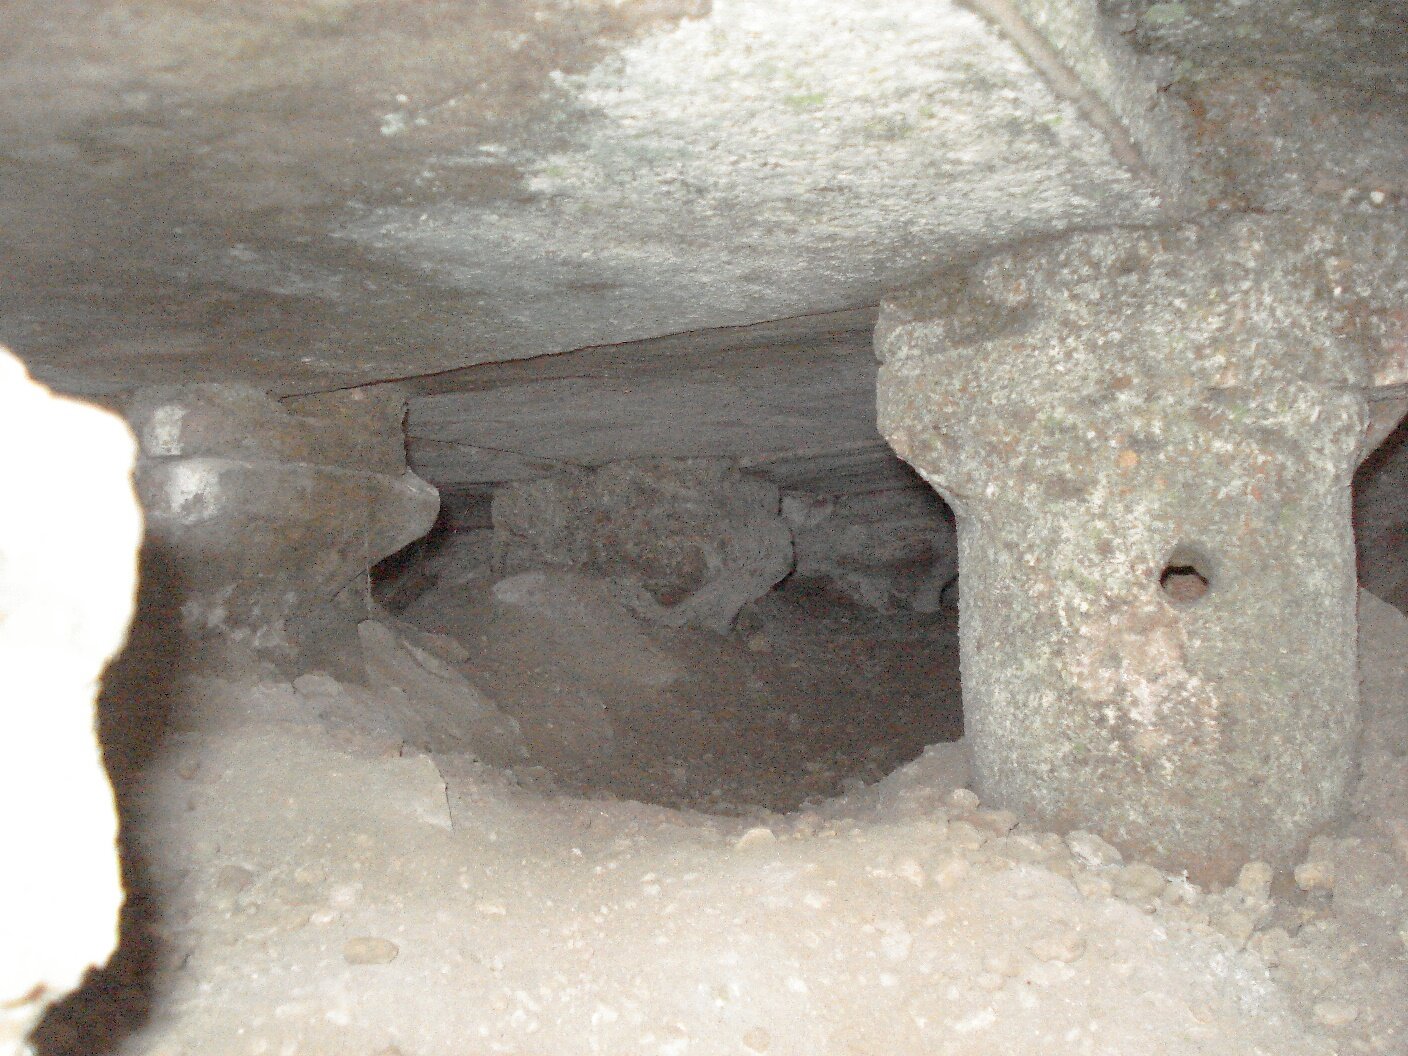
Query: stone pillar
{"points": [[260, 510], [1148, 438]]}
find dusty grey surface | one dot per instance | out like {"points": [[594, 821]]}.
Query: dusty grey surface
{"points": [[323, 192], [1115, 406]]}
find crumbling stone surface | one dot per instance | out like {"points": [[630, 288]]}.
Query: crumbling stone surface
{"points": [[1115, 417], [70, 528], [684, 541], [436, 707], [264, 510], [559, 650], [885, 550]]}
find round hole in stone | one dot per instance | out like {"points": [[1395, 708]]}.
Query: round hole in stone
{"points": [[1187, 576]]}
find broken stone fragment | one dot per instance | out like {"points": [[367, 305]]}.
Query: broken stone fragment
{"points": [[559, 646], [431, 704], [1091, 850], [1254, 880], [369, 949], [1335, 1013], [587, 627], [260, 510], [357, 429], [683, 541], [1140, 882], [886, 550], [1315, 876], [1118, 418], [757, 836], [1063, 946]]}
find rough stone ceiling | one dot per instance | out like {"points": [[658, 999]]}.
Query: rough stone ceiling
{"points": [[314, 193], [311, 194]]}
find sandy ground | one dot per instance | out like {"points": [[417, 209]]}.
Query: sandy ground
{"points": [[319, 867]]}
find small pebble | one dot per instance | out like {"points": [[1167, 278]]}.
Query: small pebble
{"points": [[1093, 886], [757, 1040], [1139, 882], [1236, 924], [1181, 891], [368, 949], [966, 836], [964, 799], [232, 879], [1092, 850], [756, 837], [1271, 945], [1335, 1013], [1255, 880], [1065, 947], [1000, 822], [1316, 876], [293, 918], [910, 870], [804, 826], [1024, 847]]}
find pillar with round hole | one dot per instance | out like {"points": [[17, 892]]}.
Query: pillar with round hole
{"points": [[1148, 439]]}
